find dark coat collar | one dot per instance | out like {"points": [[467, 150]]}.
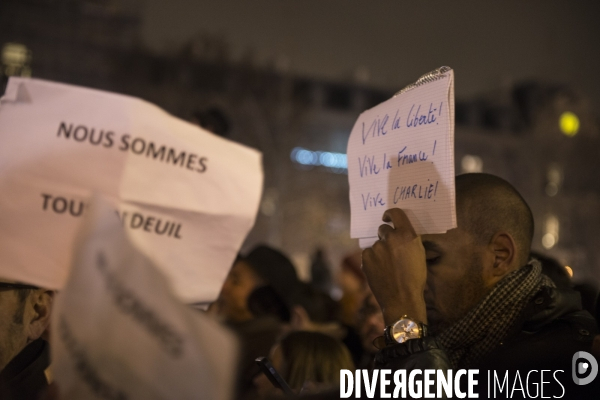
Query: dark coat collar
{"points": [[24, 376], [551, 305]]}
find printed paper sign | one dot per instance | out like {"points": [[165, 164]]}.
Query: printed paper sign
{"points": [[118, 331], [186, 197], [401, 155]]}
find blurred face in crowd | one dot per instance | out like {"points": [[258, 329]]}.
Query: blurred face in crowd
{"points": [[240, 282], [12, 330], [370, 324], [455, 279], [23, 318], [348, 282]]}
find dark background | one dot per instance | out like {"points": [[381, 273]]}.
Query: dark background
{"points": [[488, 43]]}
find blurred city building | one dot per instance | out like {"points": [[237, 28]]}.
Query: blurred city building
{"points": [[542, 137], [70, 40]]}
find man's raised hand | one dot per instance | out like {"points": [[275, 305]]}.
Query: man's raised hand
{"points": [[396, 269]]}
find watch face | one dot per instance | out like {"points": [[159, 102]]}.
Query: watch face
{"points": [[405, 329]]}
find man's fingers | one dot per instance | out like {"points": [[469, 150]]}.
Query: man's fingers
{"points": [[396, 216], [383, 231], [367, 256], [400, 221]]}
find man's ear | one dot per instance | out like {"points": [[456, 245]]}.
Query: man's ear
{"points": [[504, 252], [40, 310]]}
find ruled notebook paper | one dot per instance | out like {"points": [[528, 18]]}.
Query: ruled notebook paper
{"points": [[401, 154]]}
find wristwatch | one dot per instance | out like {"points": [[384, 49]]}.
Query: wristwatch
{"points": [[404, 329]]}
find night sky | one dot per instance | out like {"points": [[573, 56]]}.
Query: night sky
{"points": [[489, 44]]}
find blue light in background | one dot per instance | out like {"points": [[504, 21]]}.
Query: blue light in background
{"points": [[336, 162]]}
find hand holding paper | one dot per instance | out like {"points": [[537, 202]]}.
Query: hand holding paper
{"points": [[396, 270]]}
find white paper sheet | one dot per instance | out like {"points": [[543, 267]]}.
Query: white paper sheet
{"points": [[364, 243], [187, 197], [118, 331], [401, 154]]}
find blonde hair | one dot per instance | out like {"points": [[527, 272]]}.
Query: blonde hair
{"points": [[313, 357]]}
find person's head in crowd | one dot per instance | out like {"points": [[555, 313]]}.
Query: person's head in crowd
{"points": [[309, 360], [24, 317], [350, 277], [313, 310], [353, 284], [370, 323], [492, 239], [212, 119], [320, 271], [274, 268], [264, 301], [553, 270], [239, 284], [261, 266]]}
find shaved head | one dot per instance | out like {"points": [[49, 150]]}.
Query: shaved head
{"points": [[492, 239], [487, 204]]}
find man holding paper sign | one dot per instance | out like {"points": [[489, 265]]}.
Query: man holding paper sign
{"points": [[469, 298], [450, 267]]}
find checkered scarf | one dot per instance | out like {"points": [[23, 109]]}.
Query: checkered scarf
{"points": [[485, 326]]}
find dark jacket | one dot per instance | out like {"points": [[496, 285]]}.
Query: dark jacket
{"points": [[24, 376], [551, 329]]}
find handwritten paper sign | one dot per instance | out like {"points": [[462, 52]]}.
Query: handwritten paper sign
{"points": [[401, 155], [118, 331], [187, 197]]}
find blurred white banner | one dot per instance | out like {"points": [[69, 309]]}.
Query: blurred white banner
{"points": [[118, 331], [187, 197]]}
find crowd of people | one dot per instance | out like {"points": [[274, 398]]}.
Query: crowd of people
{"points": [[479, 298]]}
